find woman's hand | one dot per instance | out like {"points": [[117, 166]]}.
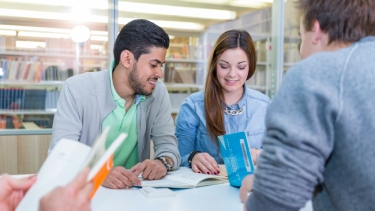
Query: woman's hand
{"points": [[204, 163], [255, 152]]}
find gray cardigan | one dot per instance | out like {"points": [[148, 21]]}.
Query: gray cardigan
{"points": [[85, 100], [320, 139]]}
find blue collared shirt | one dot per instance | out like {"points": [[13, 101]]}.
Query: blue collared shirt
{"points": [[191, 130]]}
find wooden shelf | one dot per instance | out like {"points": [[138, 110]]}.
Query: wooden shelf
{"points": [[17, 112], [288, 64], [183, 86], [25, 132], [26, 83], [42, 54], [184, 60], [262, 63], [256, 87]]}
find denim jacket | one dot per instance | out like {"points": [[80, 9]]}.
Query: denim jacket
{"points": [[191, 131]]}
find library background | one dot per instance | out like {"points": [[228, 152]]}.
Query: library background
{"points": [[42, 43]]}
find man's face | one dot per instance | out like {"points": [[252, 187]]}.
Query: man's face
{"points": [[147, 70]]}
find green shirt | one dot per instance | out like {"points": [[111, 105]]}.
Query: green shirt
{"points": [[121, 121]]}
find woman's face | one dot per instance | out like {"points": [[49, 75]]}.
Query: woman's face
{"points": [[232, 70]]}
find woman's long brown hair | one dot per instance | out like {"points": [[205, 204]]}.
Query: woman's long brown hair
{"points": [[213, 94]]}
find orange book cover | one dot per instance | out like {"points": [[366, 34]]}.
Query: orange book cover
{"points": [[65, 161]]}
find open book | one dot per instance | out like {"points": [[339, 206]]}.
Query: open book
{"points": [[184, 178], [65, 161], [235, 150]]}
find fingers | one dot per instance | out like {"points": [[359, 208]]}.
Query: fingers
{"points": [[150, 169], [137, 169], [205, 163], [119, 178], [80, 181], [19, 184], [83, 198], [255, 152], [243, 195], [131, 178]]}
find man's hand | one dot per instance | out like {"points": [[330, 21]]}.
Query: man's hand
{"points": [[13, 190], [246, 186], [74, 196], [204, 163], [120, 178], [150, 169]]}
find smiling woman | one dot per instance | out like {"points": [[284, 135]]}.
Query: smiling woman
{"points": [[225, 106]]}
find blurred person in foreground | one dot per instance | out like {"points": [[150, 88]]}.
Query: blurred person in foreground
{"points": [[74, 196], [319, 142]]}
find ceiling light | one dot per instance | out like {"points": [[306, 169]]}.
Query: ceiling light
{"points": [[169, 24], [30, 44], [31, 28], [95, 19], [237, 3], [95, 4], [80, 34], [53, 16], [192, 12], [43, 34], [8, 32], [158, 9]]}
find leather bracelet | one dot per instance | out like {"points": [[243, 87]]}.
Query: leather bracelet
{"points": [[191, 156]]}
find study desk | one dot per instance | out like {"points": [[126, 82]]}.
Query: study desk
{"points": [[222, 197], [215, 197]]}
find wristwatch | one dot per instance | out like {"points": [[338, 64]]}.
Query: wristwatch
{"points": [[165, 162]]}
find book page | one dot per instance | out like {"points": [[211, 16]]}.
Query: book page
{"points": [[184, 179], [164, 182]]}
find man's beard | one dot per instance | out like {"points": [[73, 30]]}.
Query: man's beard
{"points": [[135, 82]]}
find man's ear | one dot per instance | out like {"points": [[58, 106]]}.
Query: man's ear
{"points": [[318, 33], [127, 58]]}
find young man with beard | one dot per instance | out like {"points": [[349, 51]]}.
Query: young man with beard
{"points": [[320, 134], [129, 98]]}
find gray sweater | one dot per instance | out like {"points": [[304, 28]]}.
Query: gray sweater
{"points": [[85, 100], [320, 139]]}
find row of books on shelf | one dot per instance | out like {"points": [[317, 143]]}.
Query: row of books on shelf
{"points": [[28, 99], [52, 45], [32, 71], [28, 122]]}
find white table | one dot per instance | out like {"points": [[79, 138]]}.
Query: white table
{"points": [[214, 197], [220, 197]]}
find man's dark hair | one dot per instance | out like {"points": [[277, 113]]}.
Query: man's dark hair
{"points": [[344, 20], [138, 36]]}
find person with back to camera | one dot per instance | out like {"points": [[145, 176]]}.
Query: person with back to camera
{"points": [[320, 141], [225, 106], [130, 99]]}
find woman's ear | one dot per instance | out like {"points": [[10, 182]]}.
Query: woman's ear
{"points": [[126, 58]]}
